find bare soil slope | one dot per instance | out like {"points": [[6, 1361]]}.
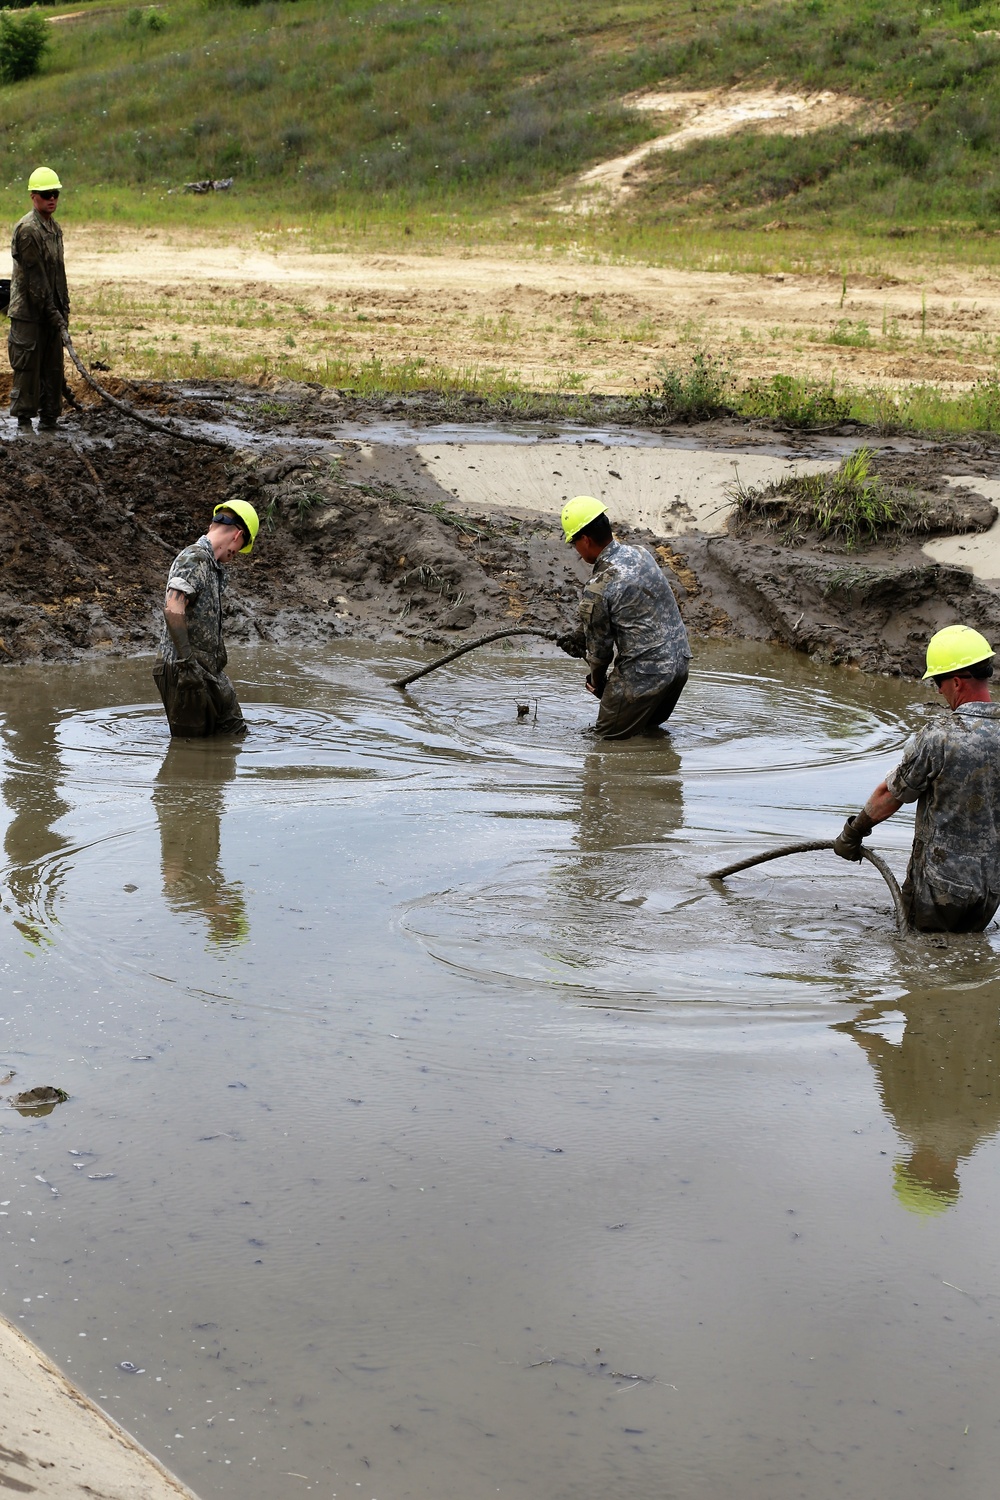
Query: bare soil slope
{"points": [[358, 541]]}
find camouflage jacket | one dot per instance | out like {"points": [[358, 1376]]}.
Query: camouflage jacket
{"points": [[38, 291], [951, 769], [629, 615], [196, 573]]}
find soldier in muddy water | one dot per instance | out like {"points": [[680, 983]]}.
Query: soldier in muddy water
{"points": [[39, 308], [951, 769], [198, 697], [631, 632]]}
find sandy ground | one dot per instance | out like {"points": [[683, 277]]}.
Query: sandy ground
{"points": [[981, 554], [56, 1444], [160, 303], [670, 492], [701, 116]]}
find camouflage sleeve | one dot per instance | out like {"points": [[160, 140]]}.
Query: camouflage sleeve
{"points": [[596, 621], [30, 256], [187, 572], [922, 762]]}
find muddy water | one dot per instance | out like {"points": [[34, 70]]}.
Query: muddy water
{"points": [[436, 1130]]}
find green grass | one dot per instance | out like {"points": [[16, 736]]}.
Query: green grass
{"points": [[398, 121], [852, 505]]}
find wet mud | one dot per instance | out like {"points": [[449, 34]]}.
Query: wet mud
{"points": [[363, 538]]}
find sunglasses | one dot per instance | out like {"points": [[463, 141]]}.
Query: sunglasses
{"points": [[53, 193]]}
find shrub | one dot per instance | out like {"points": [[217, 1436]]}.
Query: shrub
{"points": [[783, 398], [23, 41], [696, 393]]}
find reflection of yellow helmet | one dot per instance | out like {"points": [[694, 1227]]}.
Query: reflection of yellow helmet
{"points": [[42, 180], [246, 513], [955, 647], [578, 513], [228, 923], [921, 1197]]}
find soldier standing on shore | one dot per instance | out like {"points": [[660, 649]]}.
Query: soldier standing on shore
{"points": [[39, 308]]}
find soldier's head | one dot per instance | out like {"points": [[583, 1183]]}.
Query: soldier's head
{"points": [[960, 662], [44, 187], [586, 526], [233, 529]]}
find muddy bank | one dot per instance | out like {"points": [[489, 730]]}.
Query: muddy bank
{"points": [[363, 539]]}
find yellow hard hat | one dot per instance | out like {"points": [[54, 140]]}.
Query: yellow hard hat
{"points": [[921, 1197], [953, 648], [578, 513], [42, 180], [246, 513]]}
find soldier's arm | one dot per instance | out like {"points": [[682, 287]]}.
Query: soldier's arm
{"points": [[881, 804], [921, 762], [175, 614], [600, 640]]}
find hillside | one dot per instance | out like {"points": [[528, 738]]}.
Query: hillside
{"points": [[411, 114]]}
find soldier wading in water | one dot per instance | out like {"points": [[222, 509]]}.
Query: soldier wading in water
{"points": [[198, 696], [630, 632], [951, 769]]}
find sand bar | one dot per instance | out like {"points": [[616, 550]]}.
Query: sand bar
{"points": [[56, 1444]]}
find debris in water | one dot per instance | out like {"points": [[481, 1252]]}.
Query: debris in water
{"points": [[129, 1367], [39, 1101], [523, 710]]}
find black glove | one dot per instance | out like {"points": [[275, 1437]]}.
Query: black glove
{"points": [[848, 842], [597, 688], [187, 668], [573, 642]]}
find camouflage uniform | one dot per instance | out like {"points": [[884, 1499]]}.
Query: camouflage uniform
{"points": [[629, 615], [39, 311], [197, 695], [951, 769]]}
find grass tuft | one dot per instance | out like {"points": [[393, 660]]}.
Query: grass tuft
{"points": [[851, 506]]}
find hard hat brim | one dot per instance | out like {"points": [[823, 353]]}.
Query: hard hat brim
{"points": [[950, 671]]}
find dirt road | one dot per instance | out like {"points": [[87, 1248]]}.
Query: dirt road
{"points": [[163, 302]]}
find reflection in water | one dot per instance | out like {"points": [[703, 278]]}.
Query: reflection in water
{"points": [[33, 772], [631, 802], [939, 1082], [189, 797], [620, 806]]}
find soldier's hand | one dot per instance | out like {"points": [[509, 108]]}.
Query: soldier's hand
{"points": [[573, 642], [187, 668], [848, 842], [597, 688]]}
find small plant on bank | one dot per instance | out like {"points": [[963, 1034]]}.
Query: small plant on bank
{"points": [[851, 506], [783, 398], [703, 390]]}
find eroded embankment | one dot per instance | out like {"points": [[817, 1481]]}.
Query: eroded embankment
{"points": [[359, 540]]}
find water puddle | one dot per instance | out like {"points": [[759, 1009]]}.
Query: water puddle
{"points": [[435, 1127]]}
